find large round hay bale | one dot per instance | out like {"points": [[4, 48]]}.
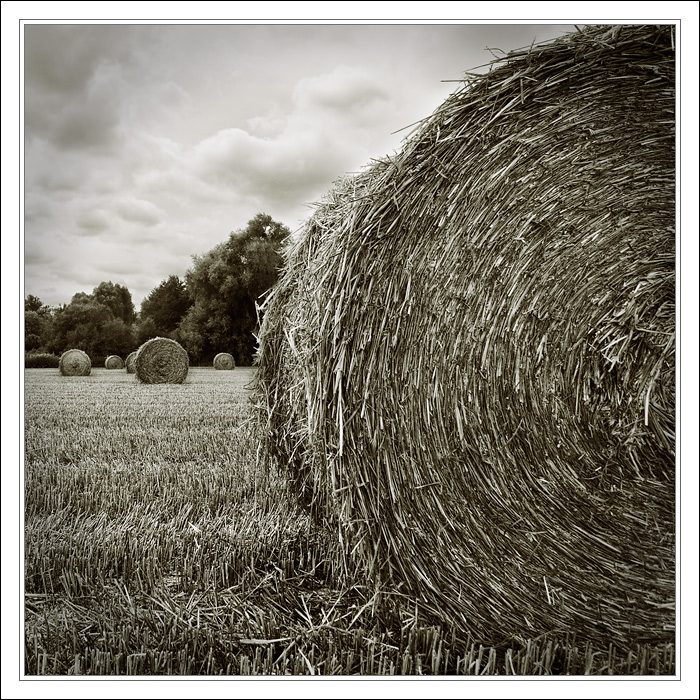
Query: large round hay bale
{"points": [[468, 362], [74, 363], [114, 362], [130, 358], [224, 360], [161, 361]]}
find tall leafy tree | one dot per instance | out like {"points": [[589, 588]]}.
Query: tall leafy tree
{"points": [[225, 284], [117, 299], [145, 330], [165, 306], [115, 338], [79, 324], [34, 330], [37, 323], [32, 303]]}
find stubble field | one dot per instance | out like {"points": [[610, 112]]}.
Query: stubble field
{"points": [[156, 541]]}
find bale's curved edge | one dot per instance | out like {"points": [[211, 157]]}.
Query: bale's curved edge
{"points": [[469, 360], [129, 364], [224, 360], [74, 363], [161, 361], [114, 362]]}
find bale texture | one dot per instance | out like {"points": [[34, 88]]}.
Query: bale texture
{"points": [[74, 363], [114, 362], [130, 362], [468, 362], [161, 361], [224, 360]]}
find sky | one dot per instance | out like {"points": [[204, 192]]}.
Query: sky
{"points": [[146, 144]]}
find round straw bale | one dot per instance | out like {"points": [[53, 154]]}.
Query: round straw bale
{"points": [[161, 361], [74, 363], [130, 362], [468, 362], [114, 362], [224, 360]]}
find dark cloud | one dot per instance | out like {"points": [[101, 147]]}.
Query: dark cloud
{"points": [[93, 223], [36, 256], [74, 79]]}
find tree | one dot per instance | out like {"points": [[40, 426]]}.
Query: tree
{"points": [[145, 330], [116, 338], [32, 303], [34, 327], [79, 324], [165, 306], [37, 323], [117, 299], [225, 284]]}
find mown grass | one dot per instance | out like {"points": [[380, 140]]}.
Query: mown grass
{"points": [[157, 543]]}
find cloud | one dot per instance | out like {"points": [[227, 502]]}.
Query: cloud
{"points": [[75, 82], [138, 211], [346, 92], [333, 124], [93, 222]]}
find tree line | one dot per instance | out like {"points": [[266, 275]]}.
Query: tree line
{"points": [[212, 310]]}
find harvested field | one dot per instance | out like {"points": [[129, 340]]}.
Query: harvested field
{"points": [[157, 545]]}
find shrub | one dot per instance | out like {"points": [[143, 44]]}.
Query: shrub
{"points": [[41, 360]]}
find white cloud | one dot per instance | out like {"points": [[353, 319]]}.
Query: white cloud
{"points": [[332, 126], [346, 92]]}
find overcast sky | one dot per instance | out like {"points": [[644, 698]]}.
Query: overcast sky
{"points": [[147, 144]]}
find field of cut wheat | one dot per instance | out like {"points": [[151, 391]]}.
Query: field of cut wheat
{"points": [[157, 543]]}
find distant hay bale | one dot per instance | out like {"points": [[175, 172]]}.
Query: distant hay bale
{"points": [[130, 362], [74, 363], [224, 361], [114, 362], [161, 361], [468, 362]]}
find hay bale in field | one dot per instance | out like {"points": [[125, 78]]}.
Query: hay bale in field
{"points": [[114, 362], [74, 363], [468, 362], [224, 360], [130, 362], [161, 361]]}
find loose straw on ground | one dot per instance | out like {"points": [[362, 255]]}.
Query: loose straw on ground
{"points": [[468, 364]]}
